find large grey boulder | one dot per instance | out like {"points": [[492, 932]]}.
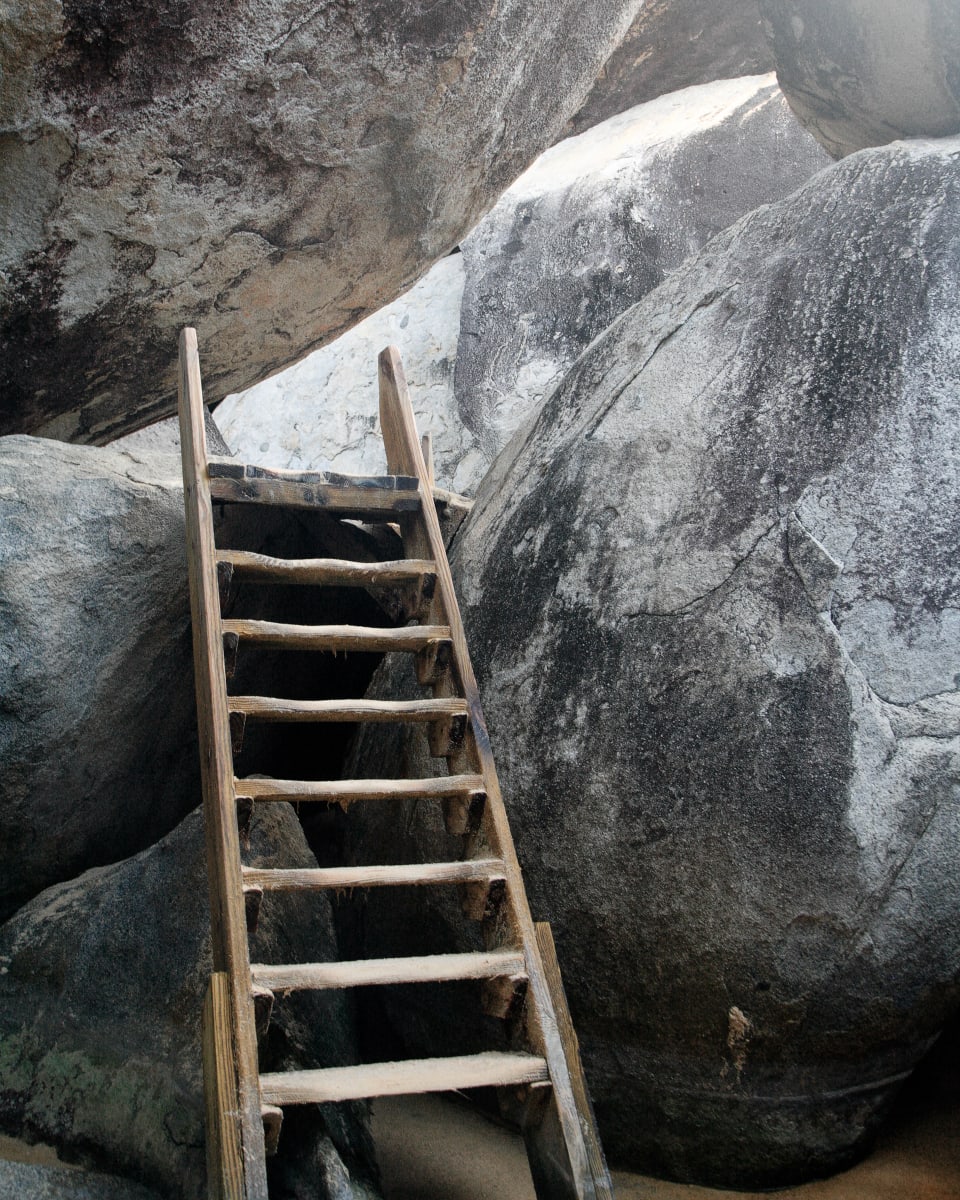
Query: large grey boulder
{"points": [[98, 745], [269, 173], [712, 596], [597, 222], [863, 74], [97, 729], [674, 44], [486, 335], [101, 991]]}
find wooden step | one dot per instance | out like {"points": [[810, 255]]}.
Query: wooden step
{"points": [[345, 791], [327, 572], [370, 497], [475, 870], [269, 708], [429, 968], [492, 1069], [364, 638]]}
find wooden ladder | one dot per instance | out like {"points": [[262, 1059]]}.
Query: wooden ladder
{"points": [[543, 1078]]}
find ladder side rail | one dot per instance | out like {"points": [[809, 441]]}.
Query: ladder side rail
{"points": [[224, 1154], [228, 919], [404, 455]]}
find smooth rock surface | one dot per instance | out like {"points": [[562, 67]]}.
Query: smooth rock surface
{"points": [[97, 730], [269, 172], [322, 413], [674, 44], [101, 990], [865, 72], [713, 598], [597, 222], [486, 335]]}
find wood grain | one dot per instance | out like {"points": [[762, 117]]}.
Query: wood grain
{"points": [[346, 791], [427, 968], [332, 572], [491, 1069], [358, 638], [223, 1140], [270, 708]]}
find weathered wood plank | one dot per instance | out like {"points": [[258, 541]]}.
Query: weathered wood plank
{"points": [[413, 874], [427, 968], [362, 503], [330, 572], [491, 1069], [232, 468], [270, 708], [346, 791], [227, 919], [221, 1099], [357, 638]]}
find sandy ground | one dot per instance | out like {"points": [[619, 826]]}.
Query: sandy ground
{"points": [[433, 1148], [436, 1148]]}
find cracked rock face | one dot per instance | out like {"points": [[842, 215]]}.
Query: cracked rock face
{"points": [[267, 170], [713, 598], [865, 72], [674, 44], [101, 991]]}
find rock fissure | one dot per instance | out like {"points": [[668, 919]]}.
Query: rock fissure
{"points": [[777, 524]]}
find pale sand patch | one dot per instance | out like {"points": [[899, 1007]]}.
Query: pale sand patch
{"points": [[13, 1150], [433, 1148]]}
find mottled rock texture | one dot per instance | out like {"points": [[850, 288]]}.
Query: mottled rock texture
{"points": [[100, 998], [601, 219], [865, 72], [674, 44], [28, 1180], [486, 335], [98, 739], [713, 598], [268, 170]]}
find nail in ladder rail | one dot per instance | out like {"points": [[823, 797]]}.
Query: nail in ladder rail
{"points": [[543, 1079]]}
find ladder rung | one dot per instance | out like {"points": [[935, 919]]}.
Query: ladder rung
{"points": [[374, 496], [314, 878], [337, 637], [262, 568], [269, 708], [429, 968], [345, 790], [491, 1069]]}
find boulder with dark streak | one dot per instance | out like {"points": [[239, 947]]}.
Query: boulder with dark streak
{"points": [[267, 170], [713, 598], [597, 222]]}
